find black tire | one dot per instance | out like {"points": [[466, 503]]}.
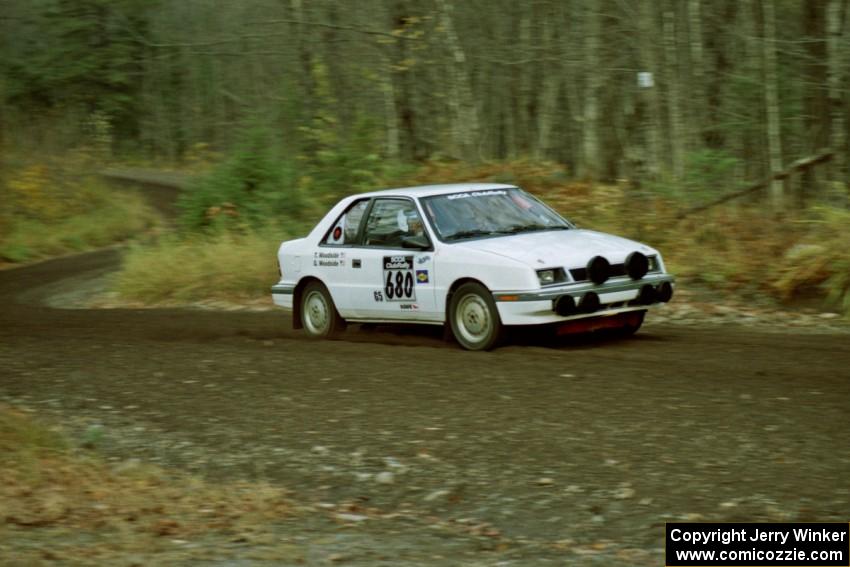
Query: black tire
{"points": [[318, 313], [474, 319]]}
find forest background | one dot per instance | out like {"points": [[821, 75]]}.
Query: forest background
{"points": [[625, 114]]}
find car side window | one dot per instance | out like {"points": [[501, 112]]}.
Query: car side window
{"points": [[345, 229], [391, 221]]}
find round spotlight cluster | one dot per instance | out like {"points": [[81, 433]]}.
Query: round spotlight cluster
{"points": [[647, 295], [665, 292], [637, 265], [589, 302], [598, 270], [565, 305]]}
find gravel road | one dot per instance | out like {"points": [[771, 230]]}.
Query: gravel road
{"points": [[412, 451]]}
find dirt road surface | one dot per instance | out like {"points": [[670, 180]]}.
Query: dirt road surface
{"points": [[412, 451]]}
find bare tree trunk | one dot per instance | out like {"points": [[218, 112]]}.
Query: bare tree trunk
{"points": [[593, 77], [815, 100], [552, 77], [837, 62], [390, 112], [747, 59], [771, 101], [650, 97], [464, 127], [677, 141], [570, 138], [697, 90], [509, 124], [526, 89], [305, 59], [402, 84]]}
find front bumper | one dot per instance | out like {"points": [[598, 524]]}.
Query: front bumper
{"points": [[617, 295]]}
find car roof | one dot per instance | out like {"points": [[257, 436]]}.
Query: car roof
{"points": [[431, 190]]}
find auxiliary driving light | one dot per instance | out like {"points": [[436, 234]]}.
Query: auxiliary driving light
{"points": [[598, 270], [664, 292], [565, 305], [636, 265], [589, 303], [647, 295]]}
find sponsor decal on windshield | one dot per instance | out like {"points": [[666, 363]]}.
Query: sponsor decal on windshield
{"points": [[477, 194]]}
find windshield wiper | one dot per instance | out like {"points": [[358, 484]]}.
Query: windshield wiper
{"points": [[468, 234], [517, 228]]}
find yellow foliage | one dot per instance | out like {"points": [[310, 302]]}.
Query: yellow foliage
{"points": [[820, 260], [56, 207], [32, 194]]}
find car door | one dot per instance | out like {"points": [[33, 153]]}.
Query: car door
{"points": [[330, 260], [390, 274]]}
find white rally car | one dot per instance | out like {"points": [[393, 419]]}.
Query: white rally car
{"points": [[476, 255]]}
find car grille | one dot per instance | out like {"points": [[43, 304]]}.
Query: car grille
{"points": [[580, 274]]}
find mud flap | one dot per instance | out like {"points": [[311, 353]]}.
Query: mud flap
{"points": [[618, 321]]}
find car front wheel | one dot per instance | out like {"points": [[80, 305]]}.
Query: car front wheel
{"points": [[474, 318], [318, 313]]}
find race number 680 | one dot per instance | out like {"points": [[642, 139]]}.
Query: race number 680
{"points": [[399, 284]]}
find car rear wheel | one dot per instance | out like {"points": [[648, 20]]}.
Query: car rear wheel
{"points": [[318, 313], [474, 318]]}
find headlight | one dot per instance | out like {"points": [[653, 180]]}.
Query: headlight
{"points": [[551, 276], [654, 264], [546, 277]]}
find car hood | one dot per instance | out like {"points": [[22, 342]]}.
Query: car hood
{"points": [[567, 248]]}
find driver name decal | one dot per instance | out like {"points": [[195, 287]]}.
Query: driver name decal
{"points": [[398, 278], [328, 259]]}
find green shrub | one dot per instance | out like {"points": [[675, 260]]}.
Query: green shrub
{"points": [[250, 187], [707, 173], [257, 185]]}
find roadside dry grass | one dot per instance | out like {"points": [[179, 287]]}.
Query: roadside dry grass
{"points": [[58, 502], [32, 239], [218, 266], [57, 207]]}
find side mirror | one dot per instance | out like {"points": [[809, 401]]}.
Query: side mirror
{"points": [[418, 242]]}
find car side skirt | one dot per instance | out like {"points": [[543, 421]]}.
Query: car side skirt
{"points": [[283, 295], [393, 321]]}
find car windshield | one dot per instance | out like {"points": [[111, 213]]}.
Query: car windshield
{"points": [[490, 212]]}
